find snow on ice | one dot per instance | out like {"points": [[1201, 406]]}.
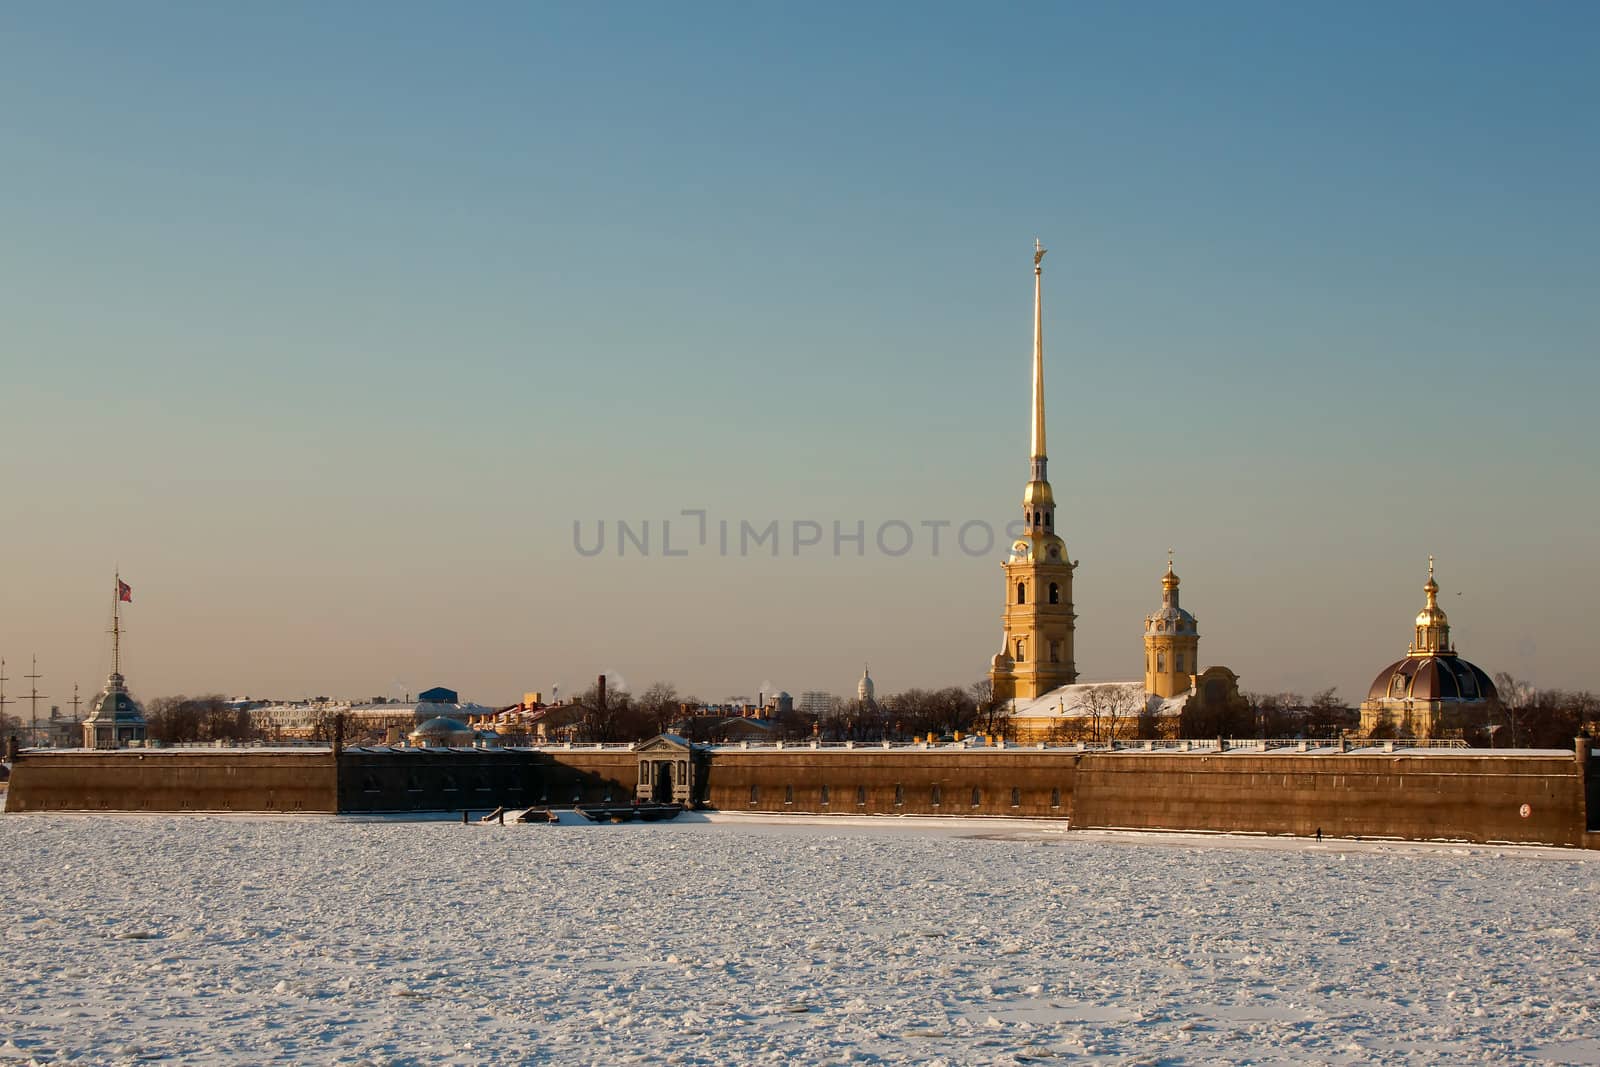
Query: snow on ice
{"points": [[738, 940]]}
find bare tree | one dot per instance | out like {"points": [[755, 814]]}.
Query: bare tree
{"points": [[659, 707], [1513, 697]]}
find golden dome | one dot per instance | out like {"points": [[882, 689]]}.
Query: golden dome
{"points": [[1038, 494], [1433, 626], [1433, 616], [1169, 581]]}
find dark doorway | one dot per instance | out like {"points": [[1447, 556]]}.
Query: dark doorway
{"points": [[661, 787]]}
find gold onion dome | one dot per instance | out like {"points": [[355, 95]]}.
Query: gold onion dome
{"points": [[1171, 618], [1038, 493], [1432, 615]]}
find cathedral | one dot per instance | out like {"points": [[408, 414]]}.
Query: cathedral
{"points": [[1035, 670]]}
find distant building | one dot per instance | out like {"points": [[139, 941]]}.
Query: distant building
{"points": [[1432, 692], [115, 718], [865, 689], [815, 703]]}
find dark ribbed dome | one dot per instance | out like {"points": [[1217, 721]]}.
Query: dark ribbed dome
{"points": [[1432, 678]]}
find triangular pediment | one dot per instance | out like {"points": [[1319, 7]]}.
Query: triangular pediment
{"points": [[665, 743]]}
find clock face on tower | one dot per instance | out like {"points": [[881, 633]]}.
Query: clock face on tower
{"points": [[1021, 551]]}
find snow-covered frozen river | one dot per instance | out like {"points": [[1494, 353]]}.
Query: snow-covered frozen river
{"points": [[320, 940]]}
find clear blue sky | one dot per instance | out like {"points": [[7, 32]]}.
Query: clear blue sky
{"points": [[325, 323]]}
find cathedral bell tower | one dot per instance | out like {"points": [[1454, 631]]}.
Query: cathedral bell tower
{"points": [[1038, 618], [1171, 643]]}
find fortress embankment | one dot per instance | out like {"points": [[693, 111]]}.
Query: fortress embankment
{"points": [[1544, 797]]}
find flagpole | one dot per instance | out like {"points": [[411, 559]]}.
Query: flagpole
{"points": [[116, 625]]}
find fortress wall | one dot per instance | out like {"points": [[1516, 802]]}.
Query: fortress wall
{"points": [[572, 776], [1467, 797], [1474, 797], [173, 780], [869, 781], [397, 780]]}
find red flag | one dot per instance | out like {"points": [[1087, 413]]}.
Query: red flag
{"points": [[124, 591]]}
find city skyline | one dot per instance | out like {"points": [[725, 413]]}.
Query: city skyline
{"points": [[328, 338]]}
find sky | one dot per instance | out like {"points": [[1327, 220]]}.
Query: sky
{"points": [[325, 324]]}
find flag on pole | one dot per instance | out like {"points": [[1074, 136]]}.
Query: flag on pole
{"points": [[124, 591]]}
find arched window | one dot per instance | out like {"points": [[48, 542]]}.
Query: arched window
{"points": [[1180, 662], [1055, 593], [1022, 592], [1161, 662], [1019, 657]]}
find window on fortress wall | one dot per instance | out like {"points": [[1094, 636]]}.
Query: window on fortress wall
{"points": [[1055, 593], [1016, 797], [1055, 651], [413, 783], [1022, 593], [1055, 797], [755, 793], [824, 794], [861, 796], [936, 795], [449, 783], [977, 797], [788, 794], [1020, 649], [899, 795], [369, 784]]}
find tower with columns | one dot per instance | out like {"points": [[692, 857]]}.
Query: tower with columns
{"points": [[1171, 643]]}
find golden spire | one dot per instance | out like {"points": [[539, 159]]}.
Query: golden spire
{"points": [[1169, 581], [1038, 358]]}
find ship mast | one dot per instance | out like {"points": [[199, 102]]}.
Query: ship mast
{"points": [[34, 697]]}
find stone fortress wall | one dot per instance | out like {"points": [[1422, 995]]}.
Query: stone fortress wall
{"points": [[1545, 798]]}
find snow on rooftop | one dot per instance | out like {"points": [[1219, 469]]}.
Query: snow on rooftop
{"points": [[1079, 702], [250, 940]]}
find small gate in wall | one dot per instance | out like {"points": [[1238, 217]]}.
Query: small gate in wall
{"points": [[666, 771]]}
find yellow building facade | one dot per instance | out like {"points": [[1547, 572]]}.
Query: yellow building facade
{"points": [[1171, 643]]}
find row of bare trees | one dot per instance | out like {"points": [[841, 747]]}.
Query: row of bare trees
{"points": [[1524, 716], [177, 719]]}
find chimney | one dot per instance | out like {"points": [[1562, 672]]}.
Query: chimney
{"points": [[600, 686]]}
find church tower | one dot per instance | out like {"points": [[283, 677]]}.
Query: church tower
{"points": [[1038, 617], [1171, 643]]}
